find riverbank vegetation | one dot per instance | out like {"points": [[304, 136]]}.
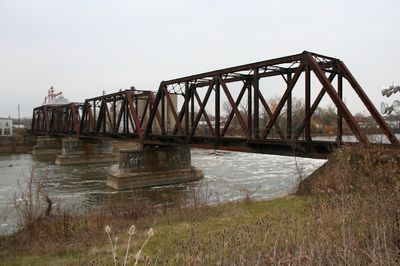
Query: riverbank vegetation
{"points": [[20, 142], [346, 214]]}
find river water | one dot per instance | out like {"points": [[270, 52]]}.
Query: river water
{"points": [[228, 176]]}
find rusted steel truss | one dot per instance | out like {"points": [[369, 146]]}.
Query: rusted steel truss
{"points": [[254, 131], [121, 114], [57, 119], [197, 117]]}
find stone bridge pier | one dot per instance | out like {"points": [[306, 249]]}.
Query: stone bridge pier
{"points": [[154, 166], [47, 145], [86, 151]]}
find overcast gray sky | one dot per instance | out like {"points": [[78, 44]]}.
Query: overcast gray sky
{"points": [[85, 47]]}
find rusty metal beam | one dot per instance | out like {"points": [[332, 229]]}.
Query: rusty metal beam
{"points": [[173, 111], [289, 109], [307, 106], [232, 113], [281, 60], [313, 107], [205, 114], [94, 117], [282, 101], [202, 107], [369, 105], [351, 122], [339, 130], [256, 103], [234, 108]]}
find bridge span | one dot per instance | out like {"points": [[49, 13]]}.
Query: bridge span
{"points": [[190, 110]]}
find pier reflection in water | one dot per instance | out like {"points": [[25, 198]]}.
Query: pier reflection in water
{"points": [[228, 176]]}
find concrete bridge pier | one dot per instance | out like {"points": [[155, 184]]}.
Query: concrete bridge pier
{"points": [[154, 166], [86, 151], [47, 145], [124, 144]]}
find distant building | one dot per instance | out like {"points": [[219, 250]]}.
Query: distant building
{"points": [[54, 98], [6, 127]]}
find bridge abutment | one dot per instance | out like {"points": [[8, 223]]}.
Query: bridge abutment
{"points": [[154, 166], [47, 145], [86, 151]]}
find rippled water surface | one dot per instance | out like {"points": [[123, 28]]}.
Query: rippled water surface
{"points": [[228, 176]]}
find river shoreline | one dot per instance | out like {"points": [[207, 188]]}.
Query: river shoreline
{"points": [[81, 187], [300, 229]]}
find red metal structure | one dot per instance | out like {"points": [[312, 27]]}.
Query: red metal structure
{"points": [[112, 115], [57, 119], [200, 97], [51, 95]]}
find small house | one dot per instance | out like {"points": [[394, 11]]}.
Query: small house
{"points": [[6, 127]]}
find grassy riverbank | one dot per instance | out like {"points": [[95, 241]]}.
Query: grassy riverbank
{"points": [[328, 226], [176, 231], [335, 229]]}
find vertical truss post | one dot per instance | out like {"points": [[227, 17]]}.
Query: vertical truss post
{"points": [[121, 113], [104, 115], [289, 110], [46, 118], [41, 120], [186, 107], [256, 118], [33, 121], [217, 111], [115, 116], [249, 110], [163, 130], [307, 106], [339, 113], [83, 117], [154, 104], [94, 117], [134, 115], [125, 118], [149, 124], [192, 91], [146, 106], [136, 99]]}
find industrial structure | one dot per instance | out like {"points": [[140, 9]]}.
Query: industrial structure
{"points": [[187, 111], [160, 120]]}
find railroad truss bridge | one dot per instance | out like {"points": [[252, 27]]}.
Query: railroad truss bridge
{"points": [[192, 110]]}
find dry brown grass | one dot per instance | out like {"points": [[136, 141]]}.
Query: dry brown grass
{"points": [[342, 229], [353, 167]]}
